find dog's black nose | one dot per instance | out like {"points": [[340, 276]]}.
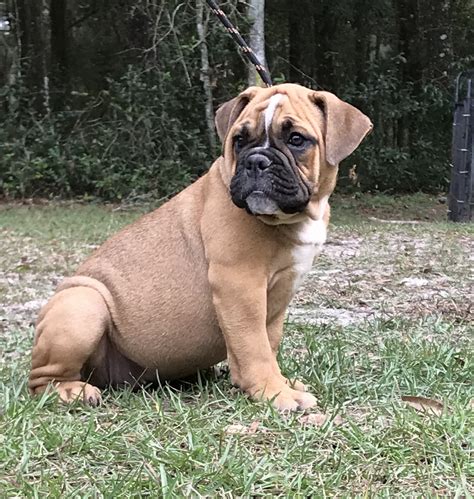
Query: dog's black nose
{"points": [[257, 162]]}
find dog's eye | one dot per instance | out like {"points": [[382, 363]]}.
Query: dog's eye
{"points": [[239, 142], [296, 140]]}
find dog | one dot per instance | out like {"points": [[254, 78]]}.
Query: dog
{"points": [[208, 275]]}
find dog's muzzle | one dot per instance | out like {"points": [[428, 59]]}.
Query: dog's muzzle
{"points": [[267, 182]]}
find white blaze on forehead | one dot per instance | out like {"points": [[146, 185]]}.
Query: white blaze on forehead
{"points": [[269, 112]]}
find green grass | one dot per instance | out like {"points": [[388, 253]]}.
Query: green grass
{"points": [[178, 440]]}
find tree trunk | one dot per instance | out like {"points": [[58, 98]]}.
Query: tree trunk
{"points": [[34, 52], [59, 47], [362, 40], [204, 75], [409, 40], [410, 49], [256, 15], [296, 27], [9, 55]]}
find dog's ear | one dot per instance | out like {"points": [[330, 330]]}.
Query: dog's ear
{"points": [[346, 126], [228, 112]]}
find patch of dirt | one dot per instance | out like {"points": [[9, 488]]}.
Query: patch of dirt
{"points": [[29, 274], [405, 273]]}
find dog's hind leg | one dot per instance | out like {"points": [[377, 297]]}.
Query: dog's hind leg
{"points": [[68, 332]]}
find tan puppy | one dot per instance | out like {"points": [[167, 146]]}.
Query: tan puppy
{"points": [[209, 274]]}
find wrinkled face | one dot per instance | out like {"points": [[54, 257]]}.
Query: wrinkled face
{"points": [[282, 146], [275, 158]]}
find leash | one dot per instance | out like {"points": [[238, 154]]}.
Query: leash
{"points": [[246, 50]]}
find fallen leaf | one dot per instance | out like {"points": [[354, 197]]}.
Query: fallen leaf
{"points": [[241, 429], [254, 426], [423, 404], [318, 419]]}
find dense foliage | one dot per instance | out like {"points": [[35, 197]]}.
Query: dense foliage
{"points": [[103, 98]]}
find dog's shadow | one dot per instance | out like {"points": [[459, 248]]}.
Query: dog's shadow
{"points": [[189, 385]]}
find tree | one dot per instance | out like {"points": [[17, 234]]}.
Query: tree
{"points": [[33, 51], [204, 74], [256, 15], [59, 47]]}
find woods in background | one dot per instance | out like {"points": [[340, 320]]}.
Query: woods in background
{"points": [[115, 98]]}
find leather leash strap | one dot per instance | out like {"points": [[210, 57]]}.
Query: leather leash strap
{"points": [[246, 50]]}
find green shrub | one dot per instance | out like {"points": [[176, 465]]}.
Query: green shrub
{"points": [[410, 146], [125, 142]]}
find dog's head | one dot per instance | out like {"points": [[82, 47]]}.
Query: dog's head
{"points": [[282, 146]]}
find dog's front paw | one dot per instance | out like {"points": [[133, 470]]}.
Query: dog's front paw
{"points": [[284, 398], [294, 400], [296, 385]]}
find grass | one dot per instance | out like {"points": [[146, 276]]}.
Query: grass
{"points": [[384, 313]]}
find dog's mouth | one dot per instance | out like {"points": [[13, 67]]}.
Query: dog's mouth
{"points": [[267, 183], [258, 203]]}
